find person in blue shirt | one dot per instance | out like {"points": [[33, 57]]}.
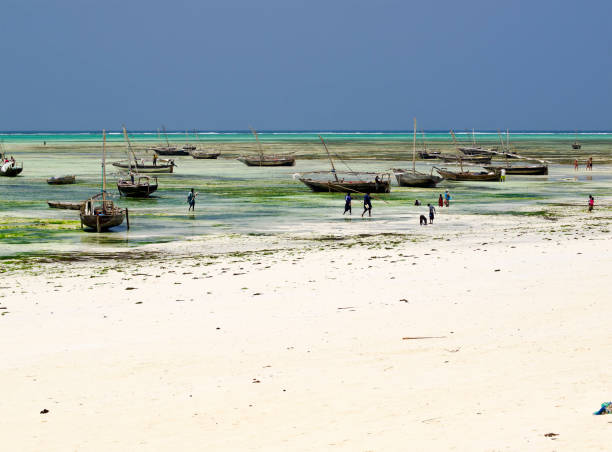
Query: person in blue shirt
{"points": [[367, 205], [191, 197], [347, 204]]}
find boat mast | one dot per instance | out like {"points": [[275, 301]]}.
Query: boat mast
{"points": [[103, 165], [258, 145], [330, 159], [507, 140], [414, 148], [131, 154], [166, 135], [473, 138]]}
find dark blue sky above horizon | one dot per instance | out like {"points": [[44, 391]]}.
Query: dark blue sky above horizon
{"points": [[223, 65]]}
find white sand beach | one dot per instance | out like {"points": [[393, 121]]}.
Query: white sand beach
{"points": [[480, 341]]}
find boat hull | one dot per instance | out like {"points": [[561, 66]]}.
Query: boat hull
{"points": [[343, 187], [477, 151], [256, 161], [205, 155], [130, 190], [466, 158], [102, 222], [65, 205], [410, 179], [150, 169], [63, 180], [425, 155], [466, 176], [11, 172], [524, 170]]}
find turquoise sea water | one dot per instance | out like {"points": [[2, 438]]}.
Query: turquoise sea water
{"points": [[240, 136]]}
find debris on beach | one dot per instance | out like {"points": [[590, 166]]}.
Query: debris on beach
{"points": [[606, 408]]}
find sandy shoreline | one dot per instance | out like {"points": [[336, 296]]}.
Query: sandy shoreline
{"points": [[302, 348]]}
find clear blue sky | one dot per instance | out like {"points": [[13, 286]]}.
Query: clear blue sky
{"points": [[220, 65]]}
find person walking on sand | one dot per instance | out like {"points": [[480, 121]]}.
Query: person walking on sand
{"points": [[440, 201], [432, 212], [347, 203], [367, 205], [154, 159], [503, 175], [576, 165], [591, 203], [447, 198], [191, 197], [590, 164]]}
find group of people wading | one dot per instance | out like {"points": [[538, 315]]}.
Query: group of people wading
{"points": [[367, 204]]}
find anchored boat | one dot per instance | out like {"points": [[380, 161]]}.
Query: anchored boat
{"points": [[99, 212], [414, 178]]}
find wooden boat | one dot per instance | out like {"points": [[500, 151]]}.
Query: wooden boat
{"points": [[167, 150], [266, 160], [199, 154], [429, 155], [575, 144], [477, 159], [98, 212], [135, 186], [162, 166], [407, 178], [65, 205], [162, 150], [469, 176], [414, 178], [343, 182], [101, 214], [520, 169], [9, 167], [477, 150], [61, 180], [142, 187], [344, 186]]}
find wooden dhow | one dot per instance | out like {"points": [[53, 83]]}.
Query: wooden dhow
{"points": [[65, 205], [99, 212], [135, 185], [485, 176], [61, 180], [345, 181], [414, 178], [266, 159]]}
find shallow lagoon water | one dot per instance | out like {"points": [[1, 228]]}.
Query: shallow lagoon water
{"points": [[236, 199]]}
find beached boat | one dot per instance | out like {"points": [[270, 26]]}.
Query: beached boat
{"points": [[141, 187], [200, 154], [66, 205], [99, 212], [414, 178], [162, 150], [9, 167], [135, 185], [167, 150], [61, 180], [161, 166], [266, 159], [520, 169], [576, 144], [476, 159], [429, 155], [348, 182], [486, 176], [345, 181], [469, 150]]}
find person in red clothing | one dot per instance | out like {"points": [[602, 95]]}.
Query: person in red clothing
{"points": [[591, 203], [576, 165], [440, 201]]}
